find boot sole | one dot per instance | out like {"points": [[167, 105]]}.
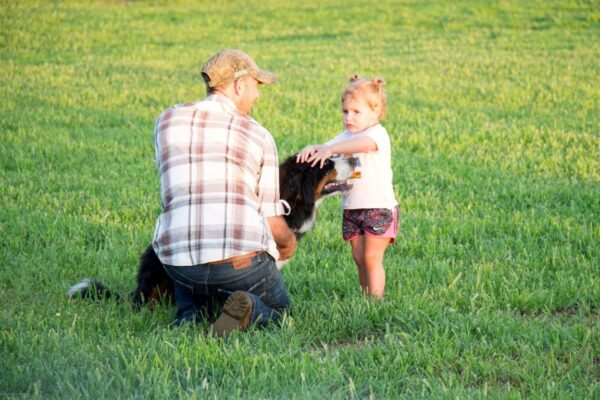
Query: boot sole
{"points": [[235, 316]]}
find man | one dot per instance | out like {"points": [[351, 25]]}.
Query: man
{"points": [[221, 227]]}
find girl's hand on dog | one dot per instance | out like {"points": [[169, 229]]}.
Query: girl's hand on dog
{"points": [[306, 152], [320, 156], [314, 154]]}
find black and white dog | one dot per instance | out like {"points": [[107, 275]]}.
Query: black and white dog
{"points": [[302, 187]]}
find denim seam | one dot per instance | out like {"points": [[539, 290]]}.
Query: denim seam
{"points": [[257, 284]]}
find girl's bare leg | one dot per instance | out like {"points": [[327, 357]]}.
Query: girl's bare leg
{"points": [[358, 253], [368, 252]]}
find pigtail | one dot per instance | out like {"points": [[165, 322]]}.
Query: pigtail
{"points": [[378, 82], [353, 78]]}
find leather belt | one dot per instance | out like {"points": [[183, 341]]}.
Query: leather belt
{"points": [[238, 262]]}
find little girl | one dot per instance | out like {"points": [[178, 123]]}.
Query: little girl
{"points": [[370, 219]]}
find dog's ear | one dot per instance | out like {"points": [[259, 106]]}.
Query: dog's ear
{"points": [[289, 184], [309, 185]]}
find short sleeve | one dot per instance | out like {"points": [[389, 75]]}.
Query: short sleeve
{"points": [[380, 137], [268, 180]]}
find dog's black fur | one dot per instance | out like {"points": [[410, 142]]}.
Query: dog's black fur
{"points": [[301, 186]]}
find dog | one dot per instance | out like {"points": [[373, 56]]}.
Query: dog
{"points": [[302, 189]]}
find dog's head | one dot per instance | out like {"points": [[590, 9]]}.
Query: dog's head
{"points": [[303, 186]]}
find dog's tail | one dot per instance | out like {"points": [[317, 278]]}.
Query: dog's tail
{"points": [[91, 289]]}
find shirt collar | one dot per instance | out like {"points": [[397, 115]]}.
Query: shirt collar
{"points": [[227, 104]]}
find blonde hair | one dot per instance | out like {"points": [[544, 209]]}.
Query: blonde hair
{"points": [[371, 90]]}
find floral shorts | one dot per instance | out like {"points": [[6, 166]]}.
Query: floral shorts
{"points": [[379, 222]]}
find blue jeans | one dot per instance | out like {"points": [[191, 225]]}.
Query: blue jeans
{"points": [[197, 287]]}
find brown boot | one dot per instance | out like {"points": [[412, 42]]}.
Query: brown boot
{"points": [[235, 316]]}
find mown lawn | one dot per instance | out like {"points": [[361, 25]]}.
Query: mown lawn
{"points": [[493, 286]]}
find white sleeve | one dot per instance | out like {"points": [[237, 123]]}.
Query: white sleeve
{"points": [[380, 137]]}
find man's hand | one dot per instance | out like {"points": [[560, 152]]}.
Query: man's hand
{"points": [[285, 253], [284, 237]]}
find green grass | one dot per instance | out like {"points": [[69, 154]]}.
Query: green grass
{"points": [[493, 286]]}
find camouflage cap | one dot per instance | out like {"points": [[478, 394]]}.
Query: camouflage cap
{"points": [[228, 65]]}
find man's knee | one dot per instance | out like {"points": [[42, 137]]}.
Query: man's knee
{"points": [[282, 301]]}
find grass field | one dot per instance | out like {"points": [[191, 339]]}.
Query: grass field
{"points": [[494, 284]]}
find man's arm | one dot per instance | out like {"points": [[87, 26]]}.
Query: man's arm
{"points": [[284, 237]]}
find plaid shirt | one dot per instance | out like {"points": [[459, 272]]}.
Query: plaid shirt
{"points": [[219, 178]]}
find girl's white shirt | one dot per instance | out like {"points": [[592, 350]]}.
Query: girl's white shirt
{"points": [[374, 189]]}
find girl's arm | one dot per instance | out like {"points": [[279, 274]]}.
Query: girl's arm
{"points": [[307, 152], [321, 153]]}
